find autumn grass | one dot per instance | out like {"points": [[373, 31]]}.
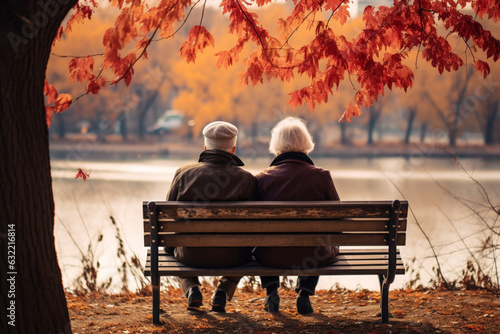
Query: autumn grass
{"points": [[129, 266]]}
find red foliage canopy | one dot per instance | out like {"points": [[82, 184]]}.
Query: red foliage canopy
{"points": [[374, 58]]}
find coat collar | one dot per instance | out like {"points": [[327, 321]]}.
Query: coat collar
{"points": [[220, 157], [291, 156]]}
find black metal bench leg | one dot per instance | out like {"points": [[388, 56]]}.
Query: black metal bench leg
{"points": [[384, 299], [155, 280], [155, 275]]}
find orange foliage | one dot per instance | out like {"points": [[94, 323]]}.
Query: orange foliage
{"points": [[374, 58]]}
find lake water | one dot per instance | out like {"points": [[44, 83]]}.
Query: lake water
{"points": [[117, 188]]}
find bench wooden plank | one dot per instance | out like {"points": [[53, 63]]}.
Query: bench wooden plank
{"points": [[265, 271], [164, 258], [278, 240], [279, 210], [344, 266], [269, 226], [165, 265]]}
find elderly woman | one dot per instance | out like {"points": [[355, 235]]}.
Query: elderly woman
{"points": [[292, 176]]}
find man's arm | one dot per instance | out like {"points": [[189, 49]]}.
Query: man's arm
{"points": [[172, 196], [173, 192]]}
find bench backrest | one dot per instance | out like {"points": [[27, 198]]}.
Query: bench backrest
{"points": [[255, 223]]}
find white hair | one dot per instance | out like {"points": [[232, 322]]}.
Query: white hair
{"points": [[290, 135], [225, 145]]}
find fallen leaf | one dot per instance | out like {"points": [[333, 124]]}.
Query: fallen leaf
{"points": [[474, 327]]}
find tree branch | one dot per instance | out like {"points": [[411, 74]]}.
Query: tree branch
{"points": [[68, 56], [295, 30]]}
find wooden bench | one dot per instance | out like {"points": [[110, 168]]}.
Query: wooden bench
{"points": [[252, 224]]}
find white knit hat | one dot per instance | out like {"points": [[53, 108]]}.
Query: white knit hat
{"points": [[220, 135]]}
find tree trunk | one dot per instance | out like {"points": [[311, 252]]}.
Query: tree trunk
{"points": [[61, 126], [423, 131], [141, 130], [453, 127], [491, 116], [343, 133], [458, 117], [374, 113], [255, 133], [123, 127], [32, 293], [409, 128]]}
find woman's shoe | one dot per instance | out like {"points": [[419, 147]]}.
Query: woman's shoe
{"points": [[304, 304], [272, 302], [219, 301]]}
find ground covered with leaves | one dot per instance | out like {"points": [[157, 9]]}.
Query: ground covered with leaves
{"points": [[335, 311]]}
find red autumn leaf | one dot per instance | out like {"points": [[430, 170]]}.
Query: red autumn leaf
{"points": [[81, 68], [81, 12], [127, 77], [63, 102], [225, 59], [58, 35], [82, 174], [295, 99], [363, 98], [93, 86], [482, 67], [188, 52], [49, 111], [353, 110], [199, 38], [341, 10], [49, 91], [399, 313], [474, 327]]}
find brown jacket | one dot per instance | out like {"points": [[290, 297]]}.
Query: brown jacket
{"points": [[216, 176], [293, 177]]}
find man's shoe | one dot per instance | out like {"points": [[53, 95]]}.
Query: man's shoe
{"points": [[304, 304], [219, 301], [195, 299], [272, 302]]}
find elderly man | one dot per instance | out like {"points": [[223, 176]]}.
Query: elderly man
{"points": [[217, 176]]}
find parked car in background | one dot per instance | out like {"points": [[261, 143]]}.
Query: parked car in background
{"points": [[170, 121]]}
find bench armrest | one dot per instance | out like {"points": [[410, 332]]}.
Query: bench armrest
{"points": [[392, 241]]}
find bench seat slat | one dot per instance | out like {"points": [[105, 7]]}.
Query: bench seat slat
{"points": [[255, 270], [341, 257], [279, 210], [165, 265], [270, 226], [278, 240], [346, 265], [264, 271]]}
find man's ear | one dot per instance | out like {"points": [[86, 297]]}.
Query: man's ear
{"points": [[205, 147], [233, 150]]}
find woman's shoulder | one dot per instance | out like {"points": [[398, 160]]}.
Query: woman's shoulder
{"points": [[321, 169], [266, 172]]}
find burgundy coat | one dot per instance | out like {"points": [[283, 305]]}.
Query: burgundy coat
{"points": [[293, 177]]}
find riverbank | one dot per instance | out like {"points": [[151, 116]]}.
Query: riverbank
{"points": [[81, 147], [335, 311]]}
